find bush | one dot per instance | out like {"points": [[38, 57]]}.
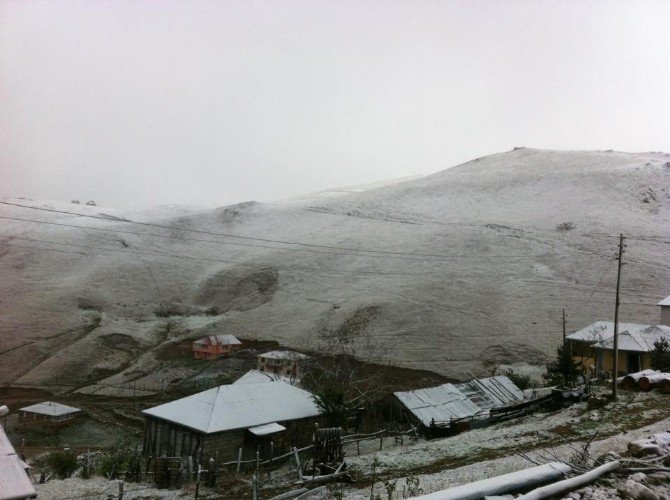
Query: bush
{"points": [[522, 381], [124, 459], [660, 356], [62, 463], [563, 371], [565, 226]]}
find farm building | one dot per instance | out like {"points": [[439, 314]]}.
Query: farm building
{"points": [[284, 363], [448, 405], [215, 346], [14, 481], [47, 416], [224, 419], [593, 346]]}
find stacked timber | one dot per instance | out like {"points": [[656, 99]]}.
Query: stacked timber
{"points": [[648, 382], [664, 386], [630, 381]]}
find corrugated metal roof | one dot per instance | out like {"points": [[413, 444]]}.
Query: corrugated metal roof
{"points": [[219, 340], [14, 482], [50, 408], [632, 336], [258, 377], [454, 401], [283, 355], [238, 406], [264, 430]]}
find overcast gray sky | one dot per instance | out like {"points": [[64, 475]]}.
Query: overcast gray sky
{"points": [[151, 102]]}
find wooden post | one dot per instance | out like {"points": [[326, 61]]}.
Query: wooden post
{"points": [[358, 447], [254, 487], [381, 441], [197, 482], [615, 367], [120, 497], [258, 459], [297, 463], [563, 326], [210, 474], [239, 460]]}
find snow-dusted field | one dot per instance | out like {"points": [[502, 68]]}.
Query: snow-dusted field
{"points": [[479, 275]]}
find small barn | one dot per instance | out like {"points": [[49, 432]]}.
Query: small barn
{"points": [[220, 421], [284, 363], [47, 416], [14, 480], [215, 346], [452, 407]]}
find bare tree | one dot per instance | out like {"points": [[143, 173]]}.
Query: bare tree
{"points": [[346, 372]]}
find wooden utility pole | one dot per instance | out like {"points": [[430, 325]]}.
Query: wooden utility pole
{"points": [[563, 326], [616, 320]]}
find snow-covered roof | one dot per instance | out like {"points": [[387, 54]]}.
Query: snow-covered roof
{"points": [[258, 377], [632, 336], [664, 302], [238, 406], [14, 482], [219, 340], [292, 355], [50, 408], [454, 401], [264, 430]]}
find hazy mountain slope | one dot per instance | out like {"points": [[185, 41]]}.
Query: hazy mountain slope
{"points": [[495, 295]]}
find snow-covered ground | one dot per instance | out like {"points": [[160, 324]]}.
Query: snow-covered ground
{"points": [[479, 275]]}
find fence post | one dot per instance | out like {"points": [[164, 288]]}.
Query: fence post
{"points": [[197, 482], [381, 441], [358, 447], [258, 459], [239, 460], [212, 472], [297, 463], [254, 488], [120, 490]]}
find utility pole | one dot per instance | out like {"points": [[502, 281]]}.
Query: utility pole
{"points": [[564, 326], [616, 319]]}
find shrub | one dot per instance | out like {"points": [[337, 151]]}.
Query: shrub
{"points": [[563, 371], [660, 356], [62, 463], [123, 459], [522, 381], [565, 226]]}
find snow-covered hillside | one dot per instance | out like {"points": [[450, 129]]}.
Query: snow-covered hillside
{"points": [[472, 267]]}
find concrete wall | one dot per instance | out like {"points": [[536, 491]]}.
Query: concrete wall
{"points": [[665, 315]]}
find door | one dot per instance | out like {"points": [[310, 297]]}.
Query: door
{"points": [[633, 362]]}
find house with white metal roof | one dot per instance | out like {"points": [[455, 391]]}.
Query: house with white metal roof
{"points": [[258, 377], [47, 416], [215, 346], [285, 363], [593, 346], [14, 481], [222, 420]]}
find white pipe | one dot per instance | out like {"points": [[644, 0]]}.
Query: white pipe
{"points": [[502, 484], [573, 483]]}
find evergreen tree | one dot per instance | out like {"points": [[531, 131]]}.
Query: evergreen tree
{"points": [[564, 370], [660, 356]]}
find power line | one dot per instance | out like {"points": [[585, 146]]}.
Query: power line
{"points": [[419, 257], [328, 271]]}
